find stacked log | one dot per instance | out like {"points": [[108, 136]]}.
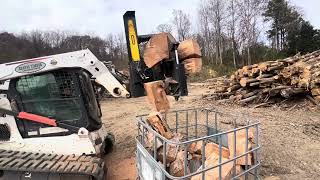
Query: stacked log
{"points": [[285, 78]]}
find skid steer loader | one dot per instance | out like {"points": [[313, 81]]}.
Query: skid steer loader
{"points": [[50, 119]]}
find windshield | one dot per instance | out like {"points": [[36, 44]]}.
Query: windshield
{"points": [[54, 95]]}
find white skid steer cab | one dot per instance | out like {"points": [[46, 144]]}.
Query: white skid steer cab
{"points": [[50, 118]]}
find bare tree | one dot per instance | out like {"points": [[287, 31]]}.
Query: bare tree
{"points": [[182, 24], [249, 13], [205, 31], [212, 17], [164, 28], [217, 10], [232, 26], [55, 38]]}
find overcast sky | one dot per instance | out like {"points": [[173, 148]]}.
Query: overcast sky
{"points": [[101, 17]]}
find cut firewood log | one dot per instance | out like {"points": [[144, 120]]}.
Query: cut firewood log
{"points": [[214, 148], [171, 149], [158, 48], [196, 147], [245, 81], [241, 146], [189, 49], [234, 87], [276, 66], [177, 166], [254, 72], [263, 66], [155, 120], [254, 84], [192, 65], [287, 93], [249, 99], [252, 93], [213, 174], [287, 77], [149, 142], [156, 95], [262, 76]]}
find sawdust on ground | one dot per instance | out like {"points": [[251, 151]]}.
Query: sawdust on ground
{"points": [[290, 139]]}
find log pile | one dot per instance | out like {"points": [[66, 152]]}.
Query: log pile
{"points": [[285, 78], [176, 157]]}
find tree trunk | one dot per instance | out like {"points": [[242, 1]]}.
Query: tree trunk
{"points": [[233, 38], [249, 56]]}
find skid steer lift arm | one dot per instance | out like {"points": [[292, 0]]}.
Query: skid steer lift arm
{"points": [[84, 59]]}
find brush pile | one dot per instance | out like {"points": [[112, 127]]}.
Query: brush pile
{"points": [[258, 83]]}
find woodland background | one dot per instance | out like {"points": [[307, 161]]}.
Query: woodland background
{"points": [[231, 33]]}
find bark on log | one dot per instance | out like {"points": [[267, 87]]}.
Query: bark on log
{"points": [[234, 88], [287, 93], [249, 99], [245, 81]]}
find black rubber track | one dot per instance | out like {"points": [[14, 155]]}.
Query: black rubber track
{"points": [[51, 163]]}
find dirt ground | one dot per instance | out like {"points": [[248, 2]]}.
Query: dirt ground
{"points": [[290, 139]]}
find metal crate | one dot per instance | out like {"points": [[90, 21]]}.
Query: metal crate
{"points": [[200, 124]]}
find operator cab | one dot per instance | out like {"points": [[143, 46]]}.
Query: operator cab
{"points": [[67, 95]]}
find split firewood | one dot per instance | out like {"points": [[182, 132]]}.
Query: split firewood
{"points": [[241, 146], [158, 48], [192, 65], [213, 174], [155, 120], [156, 96], [149, 142], [171, 149], [177, 166], [214, 148], [189, 49], [196, 147]]}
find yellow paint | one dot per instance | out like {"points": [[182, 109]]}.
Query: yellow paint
{"points": [[133, 40]]}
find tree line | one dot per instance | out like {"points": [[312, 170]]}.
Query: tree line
{"points": [[42, 43], [231, 33]]}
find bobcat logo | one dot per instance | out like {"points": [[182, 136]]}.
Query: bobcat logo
{"points": [[30, 67]]}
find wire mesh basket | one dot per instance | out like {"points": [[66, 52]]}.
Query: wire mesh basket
{"points": [[201, 126]]}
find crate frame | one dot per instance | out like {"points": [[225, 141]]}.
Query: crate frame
{"points": [[160, 173]]}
